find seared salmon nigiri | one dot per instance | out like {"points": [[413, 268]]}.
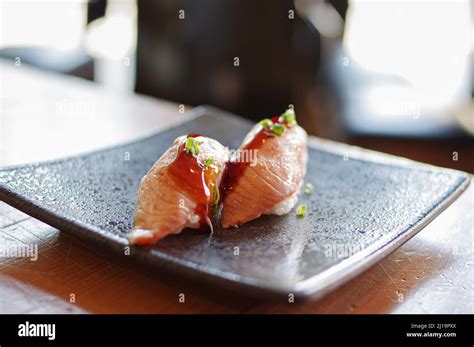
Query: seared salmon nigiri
{"points": [[181, 190], [269, 183]]}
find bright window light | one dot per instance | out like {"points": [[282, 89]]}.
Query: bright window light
{"points": [[426, 44], [55, 24]]}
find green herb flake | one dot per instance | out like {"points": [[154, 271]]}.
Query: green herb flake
{"points": [[216, 197], [196, 147], [278, 129], [209, 161], [289, 117], [308, 188], [266, 123], [301, 210], [192, 146]]}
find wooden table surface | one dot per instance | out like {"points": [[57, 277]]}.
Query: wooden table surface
{"points": [[46, 116]]}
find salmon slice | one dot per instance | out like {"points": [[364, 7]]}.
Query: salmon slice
{"points": [[181, 190], [270, 182]]}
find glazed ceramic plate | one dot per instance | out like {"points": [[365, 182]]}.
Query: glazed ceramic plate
{"points": [[364, 205]]}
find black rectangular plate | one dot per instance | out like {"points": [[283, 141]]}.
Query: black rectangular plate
{"points": [[365, 205]]}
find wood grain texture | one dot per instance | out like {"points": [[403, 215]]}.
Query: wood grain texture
{"points": [[432, 273]]}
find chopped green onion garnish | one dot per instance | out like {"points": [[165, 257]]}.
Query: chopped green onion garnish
{"points": [[278, 129], [266, 123], [209, 161], [290, 112], [192, 146], [216, 197], [196, 147], [301, 210], [289, 117], [189, 145], [308, 188]]}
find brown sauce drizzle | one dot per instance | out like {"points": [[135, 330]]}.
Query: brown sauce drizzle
{"points": [[236, 167], [197, 180]]}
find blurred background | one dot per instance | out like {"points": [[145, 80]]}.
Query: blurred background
{"points": [[394, 76]]}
